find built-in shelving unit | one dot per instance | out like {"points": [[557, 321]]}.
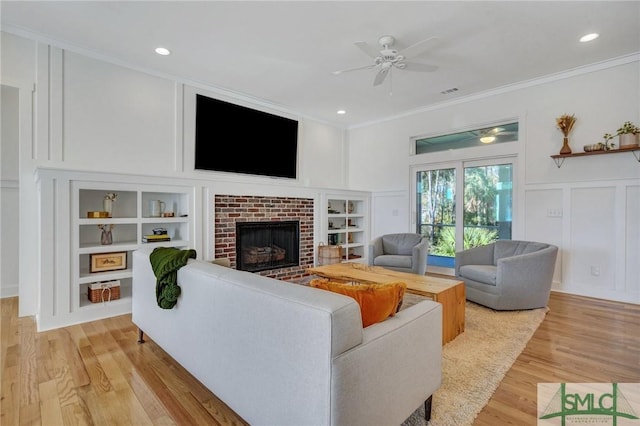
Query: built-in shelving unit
{"points": [[559, 158], [75, 239], [131, 220], [347, 225]]}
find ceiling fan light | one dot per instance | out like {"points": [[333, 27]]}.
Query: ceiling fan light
{"points": [[487, 139]]}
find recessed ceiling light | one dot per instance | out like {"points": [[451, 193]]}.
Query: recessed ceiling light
{"points": [[163, 51], [341, 112], [589, 37]]}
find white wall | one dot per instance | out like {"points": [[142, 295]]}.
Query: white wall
{"points": [[598, 195], [19, 70], [9, 177], [392, 213], [90, 114]]}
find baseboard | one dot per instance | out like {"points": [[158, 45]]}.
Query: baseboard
{"points": [[9, 291]]}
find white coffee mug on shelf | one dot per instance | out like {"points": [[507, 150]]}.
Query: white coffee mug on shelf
{"points": [[156, 208]]}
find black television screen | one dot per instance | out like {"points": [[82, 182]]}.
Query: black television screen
{"points": [[237, 139]]}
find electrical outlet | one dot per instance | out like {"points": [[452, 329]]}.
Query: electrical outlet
{"points": [[595, 271], [554, 212]]}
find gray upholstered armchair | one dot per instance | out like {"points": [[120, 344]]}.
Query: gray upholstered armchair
{"points": [[404, 252], [508, 274]]}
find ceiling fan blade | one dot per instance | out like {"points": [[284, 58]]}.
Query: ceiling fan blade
{"points": [[380, 76], [368, 50], [417, 48], [416, 66], [353, 69]]}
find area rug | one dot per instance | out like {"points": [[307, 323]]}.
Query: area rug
{"points": [[475, 362]]}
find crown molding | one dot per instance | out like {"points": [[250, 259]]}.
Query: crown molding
{"points": [[586, 69]]}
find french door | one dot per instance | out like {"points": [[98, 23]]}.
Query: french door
{"points": [[462, 205]]}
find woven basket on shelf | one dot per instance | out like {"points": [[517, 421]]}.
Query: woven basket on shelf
{"points": [[329, 254], [104, 291]]}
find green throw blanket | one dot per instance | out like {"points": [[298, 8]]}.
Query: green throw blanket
{"points": [[165, 262]]}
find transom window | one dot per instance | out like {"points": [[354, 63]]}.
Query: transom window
{"points": [[507, 132]]}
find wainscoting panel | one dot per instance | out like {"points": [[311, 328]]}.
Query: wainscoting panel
{"points": [[592, 248], [632, 239]]}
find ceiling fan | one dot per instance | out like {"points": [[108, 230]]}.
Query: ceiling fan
{"points": [[388, 58], [489, 134]]}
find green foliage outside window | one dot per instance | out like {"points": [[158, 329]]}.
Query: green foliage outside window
{"points": [[480, 195], [473, 237]]}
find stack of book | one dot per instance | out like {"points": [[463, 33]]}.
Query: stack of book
{"points": [[156, 237]]}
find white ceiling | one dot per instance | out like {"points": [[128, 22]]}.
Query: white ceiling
{"points": [[283, 53]]}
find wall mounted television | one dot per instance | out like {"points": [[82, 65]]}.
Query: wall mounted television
{"points": [[236, 139]]}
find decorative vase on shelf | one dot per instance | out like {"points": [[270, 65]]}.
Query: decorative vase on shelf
{"points": [[565, 124], [107, 203], [107, 206], [106, 238], [566, 149]]}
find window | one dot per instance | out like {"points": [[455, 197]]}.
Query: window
{"points": [[501, 133], [463, 205]]}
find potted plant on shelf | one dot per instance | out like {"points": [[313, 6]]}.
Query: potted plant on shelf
{"points": [[628, 134]]}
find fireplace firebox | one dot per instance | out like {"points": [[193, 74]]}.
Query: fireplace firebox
{"points": [[261, 246]]}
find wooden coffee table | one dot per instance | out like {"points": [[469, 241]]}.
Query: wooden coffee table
{"points": [[448, 292]]}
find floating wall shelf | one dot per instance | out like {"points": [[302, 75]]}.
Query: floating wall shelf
{"points": [[559, 158]]}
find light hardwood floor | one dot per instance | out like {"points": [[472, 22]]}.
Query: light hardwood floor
{"points": [[96, 373]]}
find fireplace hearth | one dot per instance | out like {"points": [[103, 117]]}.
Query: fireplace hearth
{"points": [[262, 246]]}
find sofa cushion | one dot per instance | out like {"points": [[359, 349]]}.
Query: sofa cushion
{"points": [[377, 301], [401, 244], [509, 248], [481, 273], [393, 260]]}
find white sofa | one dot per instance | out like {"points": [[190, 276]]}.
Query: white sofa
{"points": [[279, 353]]}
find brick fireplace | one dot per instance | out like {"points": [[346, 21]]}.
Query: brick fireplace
{"points": [[230, 209]]}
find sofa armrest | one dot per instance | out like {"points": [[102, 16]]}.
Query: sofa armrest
{"points": [[527, 274], [419, 256], [375, 249], [481, 255], [399, 363]]}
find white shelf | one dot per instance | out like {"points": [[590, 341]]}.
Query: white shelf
{"points": [[165, 220], [172, 243], [123, 303], [107, 221], [131, 221], [68, 238], [88, 277], [87, 248], [345, 224]]}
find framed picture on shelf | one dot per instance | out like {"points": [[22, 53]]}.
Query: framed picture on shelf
{"points": [[103, 262]]}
